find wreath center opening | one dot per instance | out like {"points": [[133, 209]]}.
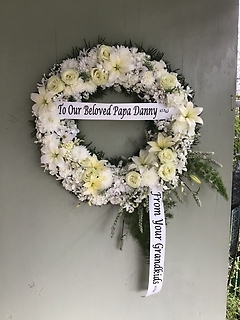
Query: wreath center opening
{"points": [[114, 138]]}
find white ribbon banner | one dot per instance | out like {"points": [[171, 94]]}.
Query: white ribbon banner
{"points": [[113, 111], [157, 242], [132, 111]]}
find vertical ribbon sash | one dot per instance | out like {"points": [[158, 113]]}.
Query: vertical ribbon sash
{"points": [[157, 241], [140, 111]]}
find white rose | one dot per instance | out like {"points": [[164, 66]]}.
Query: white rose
{"points": [[166, 155], [70, 76], [167, 171], [55, 84], [168, 81], [99, 77], [133, 179], [104, 53]]}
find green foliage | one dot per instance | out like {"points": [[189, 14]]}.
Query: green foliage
{"points": [[236, 145], [137, 223], [140, 234], [233, 293], [233, 306], [233, 289], [201, 165]]}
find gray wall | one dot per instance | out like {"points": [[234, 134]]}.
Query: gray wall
{"points": [[58, 261]]}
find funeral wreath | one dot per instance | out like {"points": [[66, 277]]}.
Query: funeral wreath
{"points": [[166, 161]]}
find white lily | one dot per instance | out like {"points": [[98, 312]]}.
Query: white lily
{"points": [[161, 143], [145, 158], [53, 156], [120, 62], [190, 115], [93, 184], [43, 101], [93, 162]]}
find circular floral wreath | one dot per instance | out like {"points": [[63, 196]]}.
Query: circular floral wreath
{"points": [[167, 161]]}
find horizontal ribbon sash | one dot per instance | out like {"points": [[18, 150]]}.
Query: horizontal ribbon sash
{"points": [[113, 111]]}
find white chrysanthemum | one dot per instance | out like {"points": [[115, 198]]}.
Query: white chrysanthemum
{"points": [[105, 176], [79, 153], [64, 171], [150, 178], [50, 138], [78, 86], [50, 121], [69, 64], [147, 79], [89, 86], [176, 99], [180, 127]]}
